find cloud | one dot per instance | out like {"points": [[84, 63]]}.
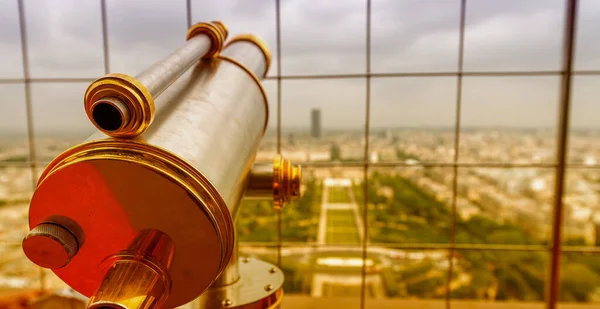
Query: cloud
{"points": [[530, 102], [10, 44], [240, 16], [64, 38], [320, 37], [413, 102], [587, 55], [585, 110], [342, 103], [13, 117]]}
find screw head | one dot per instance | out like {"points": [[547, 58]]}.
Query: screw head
{"points": [[268, 287], [245, 259], [50, 246], [226, 302], [272, 270]]}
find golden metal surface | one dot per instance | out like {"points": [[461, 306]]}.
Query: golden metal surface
{"points": [[162, 74], [222, 27], [161, 161], [260, 182], [213, 118], [113, 189], [231, 273], [279, 181], [260, 43], [216, 31], [258, 83], [133, 94], [286, 181], [184, 176], [259, 287], [137, 278], [134, 97]]}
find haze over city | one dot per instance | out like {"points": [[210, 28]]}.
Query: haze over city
{"points": [[407, 36], [500, 194]]}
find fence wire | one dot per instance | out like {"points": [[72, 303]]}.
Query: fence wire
{"points": [[566, 73]]}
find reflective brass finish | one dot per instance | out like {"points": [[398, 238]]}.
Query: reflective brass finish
{"points": [[222, 27], [231, 273], [183, 176], [259, 287], [189, 167], [137, 95], [279, 181], [258, 42], [213, 119], [115, 188], [252, 55], [138, 277], [163, 73], [216, 31], [260, 182], [50, 245], [286, 181], [258, 83], [130, 93]]}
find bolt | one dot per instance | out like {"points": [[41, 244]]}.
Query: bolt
{"points": [[245, 259], [272, 270], [227, 302], [50, 245], [268, 287]]}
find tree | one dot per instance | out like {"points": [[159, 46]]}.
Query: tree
{"points": [[335, 152], [506, 237], [577, 282]]}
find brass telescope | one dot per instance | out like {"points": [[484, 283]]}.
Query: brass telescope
{"points": [[141, 214]]}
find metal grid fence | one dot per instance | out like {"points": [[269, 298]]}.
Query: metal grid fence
{"points": [[565, 73]]}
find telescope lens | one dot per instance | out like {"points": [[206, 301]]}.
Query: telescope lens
{"points": [[107, 116]]}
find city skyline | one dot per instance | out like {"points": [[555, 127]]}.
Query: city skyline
{"points": [[420, 213], [306, 129], [408, 205], [499, 36]]}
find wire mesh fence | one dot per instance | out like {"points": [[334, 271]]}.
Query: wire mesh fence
{"points": [[552, 248]]}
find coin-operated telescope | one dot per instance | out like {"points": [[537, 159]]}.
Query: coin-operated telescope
{"points": [[141, 214]]}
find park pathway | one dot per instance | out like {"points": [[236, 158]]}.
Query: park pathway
{"points": [[341, 224]]}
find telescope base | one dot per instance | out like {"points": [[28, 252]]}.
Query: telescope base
{"points": [[259, 287]]}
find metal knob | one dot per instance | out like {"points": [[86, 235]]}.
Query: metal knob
{"points": [[50, 246], [286, 181]]}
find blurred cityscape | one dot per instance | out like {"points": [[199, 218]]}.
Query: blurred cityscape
{"points": [[408, 205], [478, 230]]}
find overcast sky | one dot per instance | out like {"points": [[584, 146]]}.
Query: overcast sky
{"points": [[319, 37]]}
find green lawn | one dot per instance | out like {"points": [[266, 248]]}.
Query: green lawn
{"points": [[341, 227], [339, 195]]}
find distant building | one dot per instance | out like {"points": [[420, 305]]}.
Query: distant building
{"points": [[315, 123]]}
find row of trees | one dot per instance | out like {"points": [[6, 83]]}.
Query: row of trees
{"points": [[413, 215], [257, 220]]}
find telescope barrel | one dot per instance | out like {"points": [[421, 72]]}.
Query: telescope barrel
{"points": [[200, 44], [144, 217], [123, 106], [162, 74], [218, 112], [244, 48]]}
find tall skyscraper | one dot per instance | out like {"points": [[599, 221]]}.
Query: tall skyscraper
{"points": [[315, 123]]}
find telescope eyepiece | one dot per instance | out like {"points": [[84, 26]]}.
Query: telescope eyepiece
{"points": [[110, 113]]}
